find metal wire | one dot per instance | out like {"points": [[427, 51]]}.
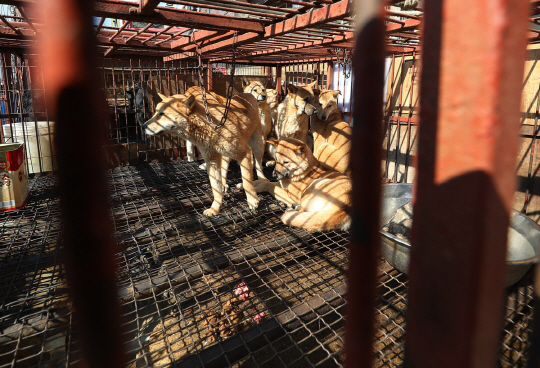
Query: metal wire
{"points": [[177, 276]]}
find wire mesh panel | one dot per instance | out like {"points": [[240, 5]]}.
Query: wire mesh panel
{"points": [[240, 290]]}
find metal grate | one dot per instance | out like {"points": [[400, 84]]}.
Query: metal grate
{"points": [[180, 278]]}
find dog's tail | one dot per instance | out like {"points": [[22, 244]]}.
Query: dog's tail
{"points": [[318, 221]]}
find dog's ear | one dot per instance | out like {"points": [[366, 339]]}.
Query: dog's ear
{"points": [[316, 92], [163, 97], [245, 82], [291, 88], [336, 93], [189, 101], [312, 84], [273, 142]]}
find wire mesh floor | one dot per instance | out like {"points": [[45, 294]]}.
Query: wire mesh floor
{"points": [[241, 290]]}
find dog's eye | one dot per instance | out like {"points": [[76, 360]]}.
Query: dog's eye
{"points": [[329, 105], [306, 99], [161, 113], [285, 162]]}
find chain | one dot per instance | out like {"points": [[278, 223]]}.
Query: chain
{"points": [[230, 89], [347, 59]]}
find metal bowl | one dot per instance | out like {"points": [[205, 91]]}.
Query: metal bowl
{"points": [[523, 236]]}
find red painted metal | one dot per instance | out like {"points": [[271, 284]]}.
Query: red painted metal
{"points": [[366, 174], [147, 6], [472, 71], [329, 13], [291, 47], [176, 17], [409, 25], [73, 97], [209, 85]]}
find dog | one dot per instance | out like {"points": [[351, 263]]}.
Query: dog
{"points": [[258, 91], [190, 147], [272, 99], [319, 198], [331, 133], [294, 112], [239, 138]]}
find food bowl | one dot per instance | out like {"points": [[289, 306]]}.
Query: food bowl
{"points": [[523, 236]]}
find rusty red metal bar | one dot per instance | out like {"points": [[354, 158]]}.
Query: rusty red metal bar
{"points": [[468, 139], [176, 17], [326, 14], [73, 97], [368, 66], [147, 6]]}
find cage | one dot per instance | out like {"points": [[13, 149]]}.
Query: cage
{"points": [[241, 289]]}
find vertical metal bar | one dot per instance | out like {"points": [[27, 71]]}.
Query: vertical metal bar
{"points": [[38, 143], [117, 126], [163, 151], [174, 139], [367, 142], [389, 112], [278, 80], [49, 132], [18, 86], [400, 111], [177, 86], [209, 76], [144, 86], [530, 182], [136, 110], [76, 103], [126, 108], [8, 99], [151, 82], [409, 118], [468, 142], [185, 77]]}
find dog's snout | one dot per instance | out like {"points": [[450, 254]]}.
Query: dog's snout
{"points": [[324, 117]]}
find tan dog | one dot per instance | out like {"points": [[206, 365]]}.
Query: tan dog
{"points": [[258, 91], [239, 138], [323, 195], [331, 133], [272, 99], [294, 112]]}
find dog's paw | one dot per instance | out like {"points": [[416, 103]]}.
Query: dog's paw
{"points": [[210, 212], [225, 187], [190, 158], [270, 163], [240, 185], [202, 166], [253, 204]]}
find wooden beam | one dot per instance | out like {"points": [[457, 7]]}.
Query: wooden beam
{"points": [[176, 17]]}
